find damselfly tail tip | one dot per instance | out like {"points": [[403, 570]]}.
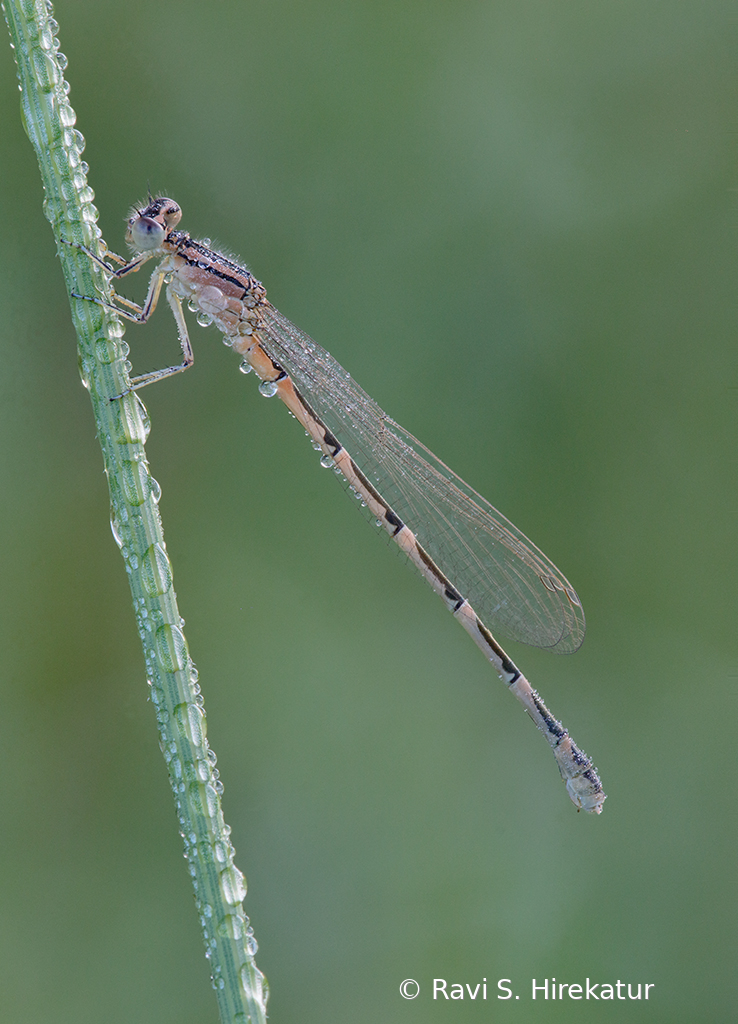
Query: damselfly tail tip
{"points": [[586, 792]]}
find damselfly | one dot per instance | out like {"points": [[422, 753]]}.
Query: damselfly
{"points": [[483, 567]]}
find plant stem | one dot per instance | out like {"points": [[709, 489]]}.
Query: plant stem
{"points": [[122, 428]]}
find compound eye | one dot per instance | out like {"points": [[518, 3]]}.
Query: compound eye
{"points": [[171, 213], [145, 233]]}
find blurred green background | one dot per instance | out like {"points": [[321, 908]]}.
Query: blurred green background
{"points": [[515, 224]]}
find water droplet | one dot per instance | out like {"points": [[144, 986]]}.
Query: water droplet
{"points": [[171, 648], [134, 420], [254, 983], [117, 537], [192, 722], [135, 480], [232, 885], [230, 927], [245, 366], [212, 300], [62, 61], [76, 140], [220, 852], [204, 319], [156, 570], [155, 490], [47, 72], [51, 211], [327, 462], [157, 694], [90, 213], [105, 352], [131, 560], [205, 795], [162, 719], [268, 388], [83, 376], [67, 115]]}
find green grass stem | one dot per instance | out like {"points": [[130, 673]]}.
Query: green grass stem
{"points": [[122, 429]]}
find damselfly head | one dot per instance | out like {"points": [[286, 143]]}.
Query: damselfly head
{"points": [[148, 228]]}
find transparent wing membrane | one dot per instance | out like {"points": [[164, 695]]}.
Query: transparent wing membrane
{"points": [[508, 580]]}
